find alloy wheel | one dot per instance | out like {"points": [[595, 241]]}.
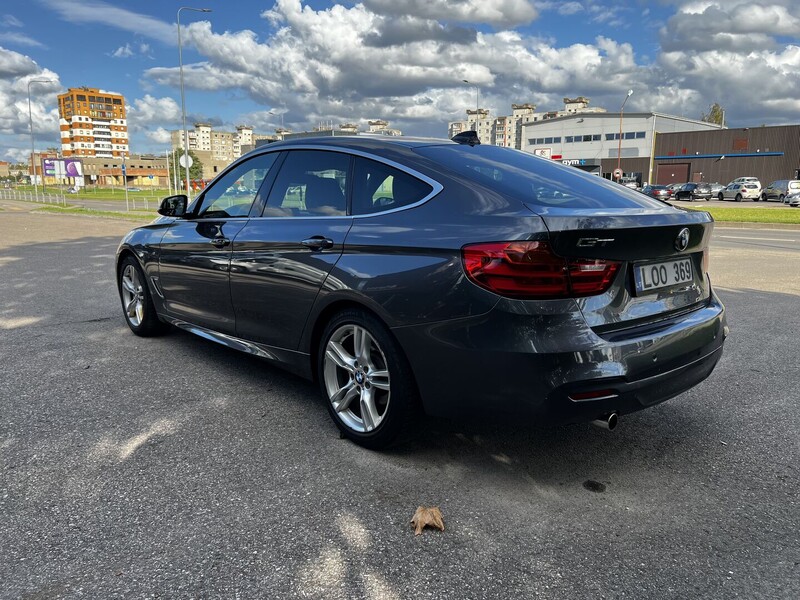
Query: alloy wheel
{"points": [[356, 378], [132, 295]]}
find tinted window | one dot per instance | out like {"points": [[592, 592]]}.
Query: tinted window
{"points": [[233, 193], [534, 180], [378, 187], [310, 183]]}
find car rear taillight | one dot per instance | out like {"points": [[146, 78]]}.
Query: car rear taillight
{"points": [[531, 270]]}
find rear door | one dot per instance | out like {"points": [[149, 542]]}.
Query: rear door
{"points": [[281, 259]]}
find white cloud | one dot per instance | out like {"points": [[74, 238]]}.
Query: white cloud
{"points": [[10, 21], [569, 8], [498, 13], [19, 39], [123, 52], [96, 11], [17, 155], [148, 112], [159, 135], [345, 64], [16, 71]]}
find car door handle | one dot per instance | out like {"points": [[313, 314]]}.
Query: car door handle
{"points": [[220, 242], [318, 242]]}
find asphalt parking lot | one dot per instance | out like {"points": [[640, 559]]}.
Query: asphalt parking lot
{"points": [[173, 467]]}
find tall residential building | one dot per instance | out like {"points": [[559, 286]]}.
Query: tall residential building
{"points": [[93, 122], [217, 149], [507, 130]]}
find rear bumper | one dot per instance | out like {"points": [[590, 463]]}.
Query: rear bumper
{"points": [[522, 366]]}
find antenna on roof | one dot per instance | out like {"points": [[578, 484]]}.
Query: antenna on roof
{"points": [[467, 137]]}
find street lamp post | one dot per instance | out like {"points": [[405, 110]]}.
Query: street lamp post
{"points": [[477, 96], [273, 113], [183, 96], [619, 147], [30, 124]]}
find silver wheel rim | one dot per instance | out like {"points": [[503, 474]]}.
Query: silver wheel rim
{"points": [[356, 377], [132, 296]]}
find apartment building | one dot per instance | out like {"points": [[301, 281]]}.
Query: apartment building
{"points": [[507, 130], [93, 122]]}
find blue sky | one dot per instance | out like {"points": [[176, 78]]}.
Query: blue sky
{"points": [[400, 60]]}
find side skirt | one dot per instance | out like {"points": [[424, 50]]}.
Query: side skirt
{"points": [[291, 360]]}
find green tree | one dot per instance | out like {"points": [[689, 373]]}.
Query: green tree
{"points": [[715, 114], [195, 171]]}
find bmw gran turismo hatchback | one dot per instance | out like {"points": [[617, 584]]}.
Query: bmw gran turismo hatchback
{"points": [[450, 276]]}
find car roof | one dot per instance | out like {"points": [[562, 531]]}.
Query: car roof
{"points": [[360, 142]]}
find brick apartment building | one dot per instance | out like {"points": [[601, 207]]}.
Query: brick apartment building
{"points": [[93, 123]]}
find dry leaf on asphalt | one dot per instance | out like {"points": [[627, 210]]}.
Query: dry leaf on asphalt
{"points": [[427, 517]]}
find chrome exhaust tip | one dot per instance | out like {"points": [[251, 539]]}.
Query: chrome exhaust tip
{"points": [[607, 422]]}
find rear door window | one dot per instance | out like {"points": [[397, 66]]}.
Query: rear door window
{"points": [[310, 183]]}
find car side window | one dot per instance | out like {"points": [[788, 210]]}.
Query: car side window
{"points": [[233, 194], [310, 183], [378, 187]]}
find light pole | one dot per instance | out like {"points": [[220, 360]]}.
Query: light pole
{"points": [[272, 112], [30, 124], [183, 96], [619, 147], [477, 96]]}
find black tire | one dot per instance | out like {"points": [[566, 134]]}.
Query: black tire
{"points": [[399, 403], [738, 197], [780, 198], [144, 323], [721, 197]]}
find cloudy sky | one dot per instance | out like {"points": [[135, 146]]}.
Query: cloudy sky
{"points": [[258, 62]]}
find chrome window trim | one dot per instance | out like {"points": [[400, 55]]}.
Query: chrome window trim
{"points": [[437, 187]]}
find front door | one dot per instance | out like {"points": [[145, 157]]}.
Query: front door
{"points": [[196, 251]]}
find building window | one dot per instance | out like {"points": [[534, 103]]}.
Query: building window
{"points": [[630, 135], [548, 140], [556, 140], [587, 138], [568, 139], [640, 135], [595, 137]]}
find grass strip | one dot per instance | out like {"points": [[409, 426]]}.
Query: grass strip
{"points": [[89, 212], [725, 214]]}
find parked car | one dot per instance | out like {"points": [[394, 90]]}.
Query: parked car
{"points": [[657, 191], [753, 180], [693, 191], [134, 189], [672, 187], [779, 190], [630, 182], [740, 191], [716, 188], [460, 277], [793, 199]]}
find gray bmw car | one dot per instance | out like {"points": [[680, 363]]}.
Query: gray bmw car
{"points": [[450, 276]]}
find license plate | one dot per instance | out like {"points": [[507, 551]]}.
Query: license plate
{"points": [[661, 275]]}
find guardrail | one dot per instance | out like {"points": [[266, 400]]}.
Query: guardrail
{"points": [[61, 199], [28, 196]]}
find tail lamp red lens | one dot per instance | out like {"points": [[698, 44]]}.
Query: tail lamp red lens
{"points": [[531, 270]]}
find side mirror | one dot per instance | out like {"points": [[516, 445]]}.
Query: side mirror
{"points": [[173, 206]]}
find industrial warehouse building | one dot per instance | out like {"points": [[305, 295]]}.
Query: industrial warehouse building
{"points": [[662, 148]]}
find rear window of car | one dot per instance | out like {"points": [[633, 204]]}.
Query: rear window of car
{"points": [[751, 186], [534, 180]]}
